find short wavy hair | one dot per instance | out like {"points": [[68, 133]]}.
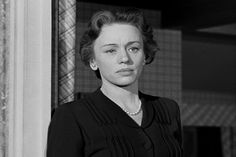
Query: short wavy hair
{"points": [[132, 16]]}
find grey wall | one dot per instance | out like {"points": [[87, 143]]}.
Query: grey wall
{"points": [[209, 63]]}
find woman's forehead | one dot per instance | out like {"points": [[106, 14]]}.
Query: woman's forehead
{"points": [[119, 33]]}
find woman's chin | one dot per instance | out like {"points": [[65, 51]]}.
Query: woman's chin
{"points": [[124, 82]]}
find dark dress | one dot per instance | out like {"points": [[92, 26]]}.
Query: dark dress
{"points": [[96, 127]]}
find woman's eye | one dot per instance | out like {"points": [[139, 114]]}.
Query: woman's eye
{"points": [[110, 51], [133, 49]]}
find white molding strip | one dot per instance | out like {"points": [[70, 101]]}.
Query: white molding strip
{"points": [[30, 77]]}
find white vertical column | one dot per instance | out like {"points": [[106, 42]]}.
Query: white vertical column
{"points": [[30, 77]]}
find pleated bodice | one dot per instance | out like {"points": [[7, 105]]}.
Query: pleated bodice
{"points": [[103, 129]]}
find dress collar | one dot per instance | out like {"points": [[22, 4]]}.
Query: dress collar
{"points": [[110, 108]]}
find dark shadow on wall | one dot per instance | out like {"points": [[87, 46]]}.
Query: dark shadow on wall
{"points": [[202, 141]]}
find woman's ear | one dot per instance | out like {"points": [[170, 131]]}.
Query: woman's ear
{"points": [[144, 61], [93, 65]]}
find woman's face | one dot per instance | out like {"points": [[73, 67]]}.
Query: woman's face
{"points": [[118, 54]]}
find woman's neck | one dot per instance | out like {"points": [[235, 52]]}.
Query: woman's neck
{"points": [[123, 96]]}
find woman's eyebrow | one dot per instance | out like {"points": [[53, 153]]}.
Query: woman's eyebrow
{"points": [[110, 44], [129, 43], [132, 42]]}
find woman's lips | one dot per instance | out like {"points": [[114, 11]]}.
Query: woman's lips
{"points": [[125, 71]]}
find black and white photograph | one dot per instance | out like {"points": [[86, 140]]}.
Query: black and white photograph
{"points": [[87, 78]]}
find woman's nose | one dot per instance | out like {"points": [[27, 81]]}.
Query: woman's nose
{"points": [[124, 56]]}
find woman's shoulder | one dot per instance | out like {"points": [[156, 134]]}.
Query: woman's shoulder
{"points": [[163, 100], [164, 104], [170, 104], [72, 108], [68, 106]]}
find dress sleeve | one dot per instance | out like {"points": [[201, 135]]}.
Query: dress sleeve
{"points": [[175, 115], [179, 133], [64, 135]]}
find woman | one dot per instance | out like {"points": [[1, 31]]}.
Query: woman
{"points": [[117, 120]]}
